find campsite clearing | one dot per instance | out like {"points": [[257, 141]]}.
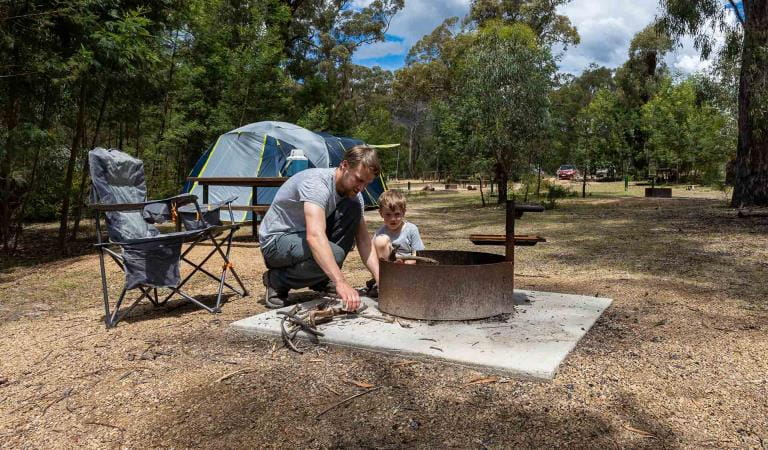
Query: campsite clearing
{"points": [[679, 359]]}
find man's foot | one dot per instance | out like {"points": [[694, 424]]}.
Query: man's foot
{"points": [[325, 287], [272, 297]]}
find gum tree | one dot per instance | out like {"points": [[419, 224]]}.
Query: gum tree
{"points": [[698, 18], [504, 96]]}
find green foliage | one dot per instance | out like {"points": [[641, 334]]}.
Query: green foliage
{"points": [[503, 94], [688, 134], [556, 192], [539, 15]]}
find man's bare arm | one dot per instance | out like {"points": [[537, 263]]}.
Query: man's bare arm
{"points": [[365, 248], [323, 255]]}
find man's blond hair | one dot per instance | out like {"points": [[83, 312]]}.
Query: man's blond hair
{"points": [[362, 154], [392, 200]]}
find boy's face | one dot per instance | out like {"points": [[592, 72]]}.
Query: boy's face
{"points": [[393, 218]]}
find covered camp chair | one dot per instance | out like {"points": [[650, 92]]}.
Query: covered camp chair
{"points": [[150, 259]]}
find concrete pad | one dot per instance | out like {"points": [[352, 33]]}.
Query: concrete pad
{"points": [[531, 343]]}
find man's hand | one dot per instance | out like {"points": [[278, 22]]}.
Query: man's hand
{"points": [[350, 299]]}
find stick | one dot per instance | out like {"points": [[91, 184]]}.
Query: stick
{"points": [[352, 397], [104, 425], [43, 358], [65, 395], [232, 374], [377, 318]]}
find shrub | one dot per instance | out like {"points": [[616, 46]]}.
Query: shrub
{"points": [[555, 193]]}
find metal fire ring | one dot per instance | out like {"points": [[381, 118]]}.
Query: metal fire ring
{"points": [[464, 286]]}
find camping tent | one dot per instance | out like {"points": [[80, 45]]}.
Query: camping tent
{"points": [[261, 149]]}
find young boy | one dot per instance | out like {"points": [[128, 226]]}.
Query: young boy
{"points": [[395, 232]]}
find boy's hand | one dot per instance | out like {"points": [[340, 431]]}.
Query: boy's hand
{"points": [[350, 299]]}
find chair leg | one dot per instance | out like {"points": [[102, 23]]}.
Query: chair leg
{"points": [[195, 301], [226, 260], [222, 279], [104, 291], [202, 269], [113, 319]]}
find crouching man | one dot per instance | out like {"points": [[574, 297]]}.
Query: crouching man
{"points": [[313, 222]]}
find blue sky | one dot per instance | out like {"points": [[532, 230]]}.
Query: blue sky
{"points": [[606, 28]]}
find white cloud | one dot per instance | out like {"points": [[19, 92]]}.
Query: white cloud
{"points": [[416, 19], [606, 29], [690, 64], [381, 49]]}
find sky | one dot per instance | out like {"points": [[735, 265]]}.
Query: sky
{"points": [[606, 28]]}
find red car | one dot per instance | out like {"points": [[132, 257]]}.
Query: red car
{"points": [[566, 172]]}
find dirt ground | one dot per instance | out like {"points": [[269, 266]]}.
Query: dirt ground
{"points": [[679, 360]]}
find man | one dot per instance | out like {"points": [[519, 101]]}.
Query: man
{"points": [[313, 222]]}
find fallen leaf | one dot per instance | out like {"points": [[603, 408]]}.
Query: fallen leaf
{"points": [[361, 384], [483, 380]]}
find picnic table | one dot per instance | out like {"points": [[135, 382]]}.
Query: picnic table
{"points": [[253, 182]]}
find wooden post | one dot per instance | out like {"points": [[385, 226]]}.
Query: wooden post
{"points": [[409, 187], [482, 197], [254, 201], [205, 194], [510, 225]]}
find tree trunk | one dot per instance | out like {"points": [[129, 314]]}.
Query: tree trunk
{"points": [[167, 92], [411, 143], [25, 197], [584, 182], [138, 136], [67, 188], [751, 180], [503, 178], [45, 117], [538, 182], [11, 121], [84, 173], [482, 197]]}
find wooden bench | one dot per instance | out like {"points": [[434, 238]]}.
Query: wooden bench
{"points": [[500, 239], [253, 182]]}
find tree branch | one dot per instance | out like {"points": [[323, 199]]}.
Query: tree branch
{"points": [[736, 11]]}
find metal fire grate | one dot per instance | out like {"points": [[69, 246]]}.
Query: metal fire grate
{"points": [[463, 285]]}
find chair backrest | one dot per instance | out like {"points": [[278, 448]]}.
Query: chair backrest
{"points": [[118, 177]]}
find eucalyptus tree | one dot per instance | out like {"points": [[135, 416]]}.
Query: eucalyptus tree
{"points": [[601, 137], [570, 96], [319, 40], [686, 131], [540, 15], [30, 102], [747, 40], [638, 80], [503, 95], [427, 78]]}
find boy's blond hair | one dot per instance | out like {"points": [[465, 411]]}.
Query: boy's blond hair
{"points": [[392, 200]]}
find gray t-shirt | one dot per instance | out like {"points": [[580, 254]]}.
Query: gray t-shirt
{"points": [[286, 214], [408, 238]]}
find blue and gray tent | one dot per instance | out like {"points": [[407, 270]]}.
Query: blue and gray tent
{"points": [[261, 150]]}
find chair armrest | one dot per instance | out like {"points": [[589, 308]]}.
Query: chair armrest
{"points": [[179, 200]]}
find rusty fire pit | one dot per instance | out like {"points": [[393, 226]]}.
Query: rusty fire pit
{"points": [[462, 286]]}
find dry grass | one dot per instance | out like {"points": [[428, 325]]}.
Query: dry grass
{"points": [[679, 360]]}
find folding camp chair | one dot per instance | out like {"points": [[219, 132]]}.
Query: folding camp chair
{"points": [[150, 259]]}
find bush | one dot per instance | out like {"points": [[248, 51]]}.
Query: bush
{"points": [[555, 193]]}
